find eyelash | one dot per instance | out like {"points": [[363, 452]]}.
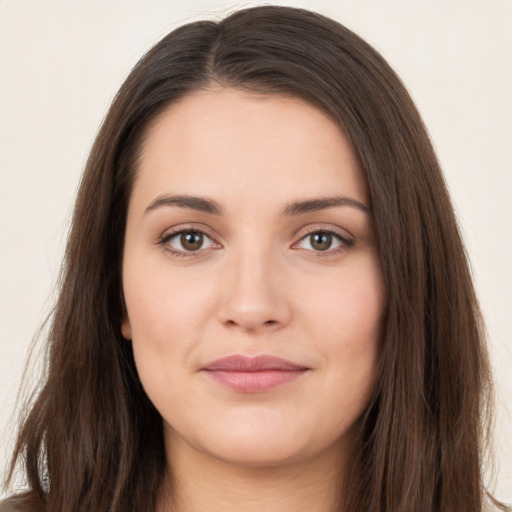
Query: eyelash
{"points": [[164, 242], [345, 243]]}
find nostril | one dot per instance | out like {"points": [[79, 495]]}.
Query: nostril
{"points": [[252, 326]]}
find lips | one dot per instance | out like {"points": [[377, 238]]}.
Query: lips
{"points": [[253, 374]]}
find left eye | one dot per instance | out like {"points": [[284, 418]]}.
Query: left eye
{"points": [[189, 241], [320, 241]]}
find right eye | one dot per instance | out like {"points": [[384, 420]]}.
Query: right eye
{"points": [[187, 241]]}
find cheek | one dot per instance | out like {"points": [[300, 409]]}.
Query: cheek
{"points": [[160, 340], [350, 306], [167, 315], [161, 303], [347, 316]]}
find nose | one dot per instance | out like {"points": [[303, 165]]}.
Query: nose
{"points": [[254, 295]]}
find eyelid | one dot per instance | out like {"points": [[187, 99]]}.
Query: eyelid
{"points": [[169, 234], [346, 240]]}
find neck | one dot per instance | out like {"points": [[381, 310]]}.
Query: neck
{"points": [[199, 482]]}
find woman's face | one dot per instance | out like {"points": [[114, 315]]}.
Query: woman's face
{"points": [[252, 281]]}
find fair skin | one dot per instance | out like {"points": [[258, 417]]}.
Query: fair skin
{"points": [[232, 251]]}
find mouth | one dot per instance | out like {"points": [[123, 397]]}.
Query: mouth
{"points": [[253, 374]]}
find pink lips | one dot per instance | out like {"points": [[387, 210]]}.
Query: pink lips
{"points": [[253, 374]]}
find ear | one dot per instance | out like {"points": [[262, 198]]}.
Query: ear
{"points": [[126, 328]]}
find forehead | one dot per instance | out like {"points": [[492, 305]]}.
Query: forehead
{"points": [[231, 143]]}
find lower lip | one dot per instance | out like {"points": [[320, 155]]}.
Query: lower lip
{"points": [[257, 381]]}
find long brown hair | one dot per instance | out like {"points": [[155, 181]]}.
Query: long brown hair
{"points": [[92, 440]]}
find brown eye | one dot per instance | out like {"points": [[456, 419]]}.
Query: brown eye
{"points": [[189, 241], [321, 241]]}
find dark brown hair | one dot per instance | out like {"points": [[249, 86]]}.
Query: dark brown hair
{"points": [[92, 440]]}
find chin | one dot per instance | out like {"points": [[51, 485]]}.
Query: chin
{"points": [[258, 454], [256, 445]]}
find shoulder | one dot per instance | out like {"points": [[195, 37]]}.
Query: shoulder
{"points": [[25, 502]]}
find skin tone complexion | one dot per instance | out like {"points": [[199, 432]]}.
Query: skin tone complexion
{"points": [[254, 299]]}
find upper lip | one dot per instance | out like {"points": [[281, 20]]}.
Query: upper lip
{"points": [[239, 363]]}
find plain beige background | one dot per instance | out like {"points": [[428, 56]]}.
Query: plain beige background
{"points": [[61, 62]]}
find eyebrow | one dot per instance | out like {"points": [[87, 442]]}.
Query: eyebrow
{"points": [[205, 205], [184, 201], [314, 205]]}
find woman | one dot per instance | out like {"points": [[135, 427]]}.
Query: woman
{"points": [[266, 302]]}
